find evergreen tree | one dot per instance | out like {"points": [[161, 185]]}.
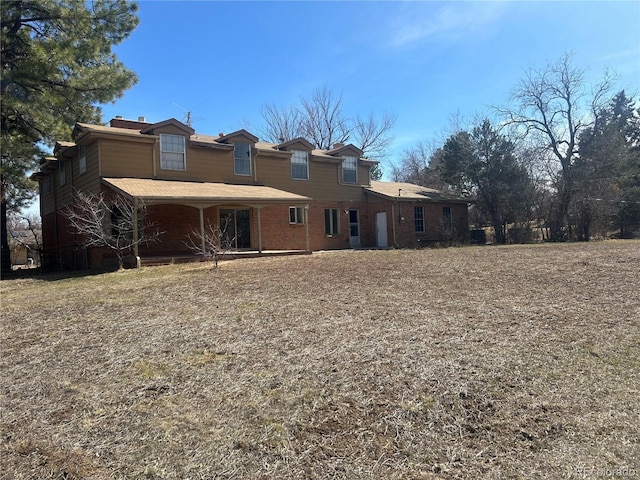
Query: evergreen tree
{"points": [[608, 171], [482, 163], [57, 65]]}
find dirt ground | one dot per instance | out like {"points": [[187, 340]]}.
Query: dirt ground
{"points": [[476, 362]]}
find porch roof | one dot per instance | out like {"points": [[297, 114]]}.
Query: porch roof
{"points": [[170, 191]]}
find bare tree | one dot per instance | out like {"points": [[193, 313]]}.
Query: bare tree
{"points": [[118, 224], [371, 134], [212, 244], [25, 231], [281, 123], [552, 107], [321, 120]]}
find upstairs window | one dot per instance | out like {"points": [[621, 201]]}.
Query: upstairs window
{"points": [[350, 169], [300, 165], [418, 218], [242, 159], [172, 152], [296, 215], [82, 159]]}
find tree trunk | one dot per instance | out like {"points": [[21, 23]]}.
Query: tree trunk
{"points": [[6, 253]]}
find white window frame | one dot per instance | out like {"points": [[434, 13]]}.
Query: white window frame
{"points": [[298, 159], [296, 216], [332, 226], [82, 159], [350, 164], [418, 218], [236, 159], [62, 172], [165, 152]]}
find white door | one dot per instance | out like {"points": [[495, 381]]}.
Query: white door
{"points": [[381, 229], [354, 228]]}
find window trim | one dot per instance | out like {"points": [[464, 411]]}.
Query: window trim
{"points": [[350, 159], [331, 222], [306, 164], [235, 159], [296, 215], [418, 220], [184, 152], [82, 159]]}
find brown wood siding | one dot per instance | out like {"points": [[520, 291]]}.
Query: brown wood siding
{"points": [[204, 165], [120, 158], [322, 184], [88, 182], [46, 198]]}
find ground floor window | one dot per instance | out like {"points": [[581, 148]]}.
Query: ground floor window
{"points": [[446, 219], [331, 221], [296, 215], [418, 216]]}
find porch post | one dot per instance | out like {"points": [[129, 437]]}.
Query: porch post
{"points": [[259, 230], [135, 228], [393, 223], [306, 225], [203, 244]]}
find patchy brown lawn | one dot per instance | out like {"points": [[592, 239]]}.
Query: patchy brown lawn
{"points": [[492, 362]]}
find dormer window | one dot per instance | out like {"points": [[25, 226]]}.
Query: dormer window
{"points": [[300, 165], [242, 159], [349, 169], [172, 152]]}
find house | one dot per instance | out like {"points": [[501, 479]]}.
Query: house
{"points": [[287, 196]]}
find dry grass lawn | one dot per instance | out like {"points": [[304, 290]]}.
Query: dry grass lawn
{"points": [[489, 362]]}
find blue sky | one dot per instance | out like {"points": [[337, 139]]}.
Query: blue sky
{"points": [[422, 61]]}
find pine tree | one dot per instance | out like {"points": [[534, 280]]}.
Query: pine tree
{"points": [[57, 66]]}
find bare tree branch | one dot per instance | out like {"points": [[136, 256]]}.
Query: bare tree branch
{"points": [[110, 224], [213, 243]]}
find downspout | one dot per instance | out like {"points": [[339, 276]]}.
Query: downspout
{"points": [[75, 233], [259, 230], [306, 226], [254, 160], [136, 253], [55, 218], [393, 223], [203, 244], [255, 166], [153, 158]]}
